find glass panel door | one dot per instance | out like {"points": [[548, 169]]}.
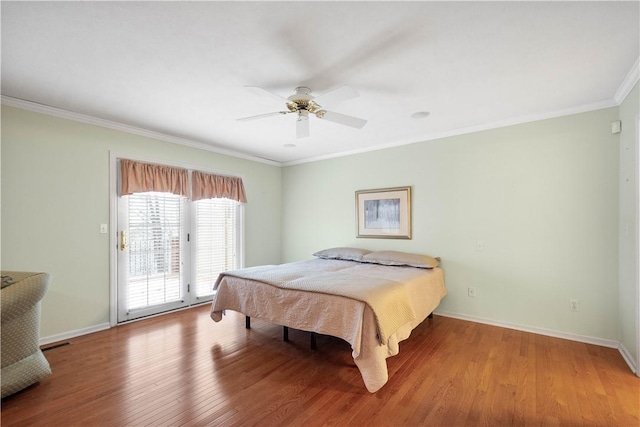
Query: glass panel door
{"points": [[151, 267]]}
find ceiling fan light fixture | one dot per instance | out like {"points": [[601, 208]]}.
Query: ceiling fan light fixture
{"points": [[302, 90], [302, 124]]}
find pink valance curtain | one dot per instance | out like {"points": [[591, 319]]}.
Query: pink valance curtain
{"points": [[140, 177], [210, 186]]}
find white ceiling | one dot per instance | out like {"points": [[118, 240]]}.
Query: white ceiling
{"points": [[180, 68]]}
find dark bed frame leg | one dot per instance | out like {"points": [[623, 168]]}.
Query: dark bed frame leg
{"points": [[313, 340], [430, 316], [285, 332]]}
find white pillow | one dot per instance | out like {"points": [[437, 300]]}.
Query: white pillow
{"points": [[349, 254], [401, 258]]}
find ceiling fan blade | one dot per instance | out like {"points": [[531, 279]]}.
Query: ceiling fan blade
{"points": [[261, 116], [343, 119], [268, 92], [302, 127], [337, 95]]}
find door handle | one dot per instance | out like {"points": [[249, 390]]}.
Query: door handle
{"points": [[123, 240]]}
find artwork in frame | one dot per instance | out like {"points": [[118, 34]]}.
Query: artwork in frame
{"points": [[384, 213]]}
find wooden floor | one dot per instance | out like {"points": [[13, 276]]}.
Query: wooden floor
{"points": [[185, 369]]}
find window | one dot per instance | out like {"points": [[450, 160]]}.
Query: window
{"points": [[216, 242], [171, 249]]}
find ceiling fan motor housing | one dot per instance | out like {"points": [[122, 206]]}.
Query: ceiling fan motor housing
{"points": [[302, 100]]}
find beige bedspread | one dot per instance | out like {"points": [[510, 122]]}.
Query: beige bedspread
{"points": [[388, 298], [339, 309]]}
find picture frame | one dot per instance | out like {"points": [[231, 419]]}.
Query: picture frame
{"points": [[384, 213]]}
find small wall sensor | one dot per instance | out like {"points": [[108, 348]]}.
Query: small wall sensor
{"points": [[616, 126]]}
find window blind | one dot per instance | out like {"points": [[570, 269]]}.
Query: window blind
{"points": [[156, 222], [215, 241]]}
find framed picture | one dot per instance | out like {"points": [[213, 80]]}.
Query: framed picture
{"points": [[384, 213]]}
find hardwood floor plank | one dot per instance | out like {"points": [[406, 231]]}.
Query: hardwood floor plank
{"points": [[185, 369]]}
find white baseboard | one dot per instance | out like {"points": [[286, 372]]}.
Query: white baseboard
{"points": [[551, 333], [540, 331], [73, 334], [628, 358], [103, 326]]}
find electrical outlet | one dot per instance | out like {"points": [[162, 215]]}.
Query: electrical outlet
{"points": [[574, 305], [104, 229], [471, 291], [479, 246]]}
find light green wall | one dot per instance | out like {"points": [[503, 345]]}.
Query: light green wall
{"points": [[542, 196], [629, 112], [55, 193]]}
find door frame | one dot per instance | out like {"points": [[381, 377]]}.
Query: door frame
{"points": [[637, 238]]}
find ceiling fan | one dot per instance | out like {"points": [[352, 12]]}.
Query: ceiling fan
{"points": [[302, 102]]}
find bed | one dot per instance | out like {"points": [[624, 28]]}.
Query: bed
{"points": [[372, 300]]}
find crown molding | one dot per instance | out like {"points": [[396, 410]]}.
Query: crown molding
{"points": [[83, 118], [623, 91], [466, 130], [628, 83]]}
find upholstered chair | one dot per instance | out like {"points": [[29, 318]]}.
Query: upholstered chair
{"points": [[23, 363]]}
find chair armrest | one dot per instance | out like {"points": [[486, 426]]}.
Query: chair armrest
{"points": [[24, 293]]}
